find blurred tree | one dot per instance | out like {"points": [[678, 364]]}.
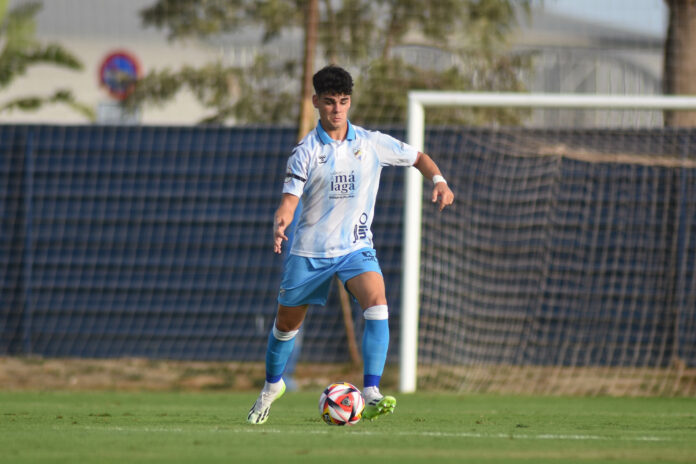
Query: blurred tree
{"points": [[20, 50], [459, 45], [680, 58]]}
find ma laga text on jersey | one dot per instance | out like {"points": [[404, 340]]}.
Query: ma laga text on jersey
{"points": [[342, 185]]}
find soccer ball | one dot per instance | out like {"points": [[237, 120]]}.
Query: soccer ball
{"points": [[341, 404]]}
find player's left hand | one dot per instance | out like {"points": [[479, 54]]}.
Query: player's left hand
{"points": [[442, 195]]}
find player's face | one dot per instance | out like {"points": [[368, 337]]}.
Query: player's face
{"points": [[333, 110]]}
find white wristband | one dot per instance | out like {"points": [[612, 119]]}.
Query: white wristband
{"points": [[437, 178]]}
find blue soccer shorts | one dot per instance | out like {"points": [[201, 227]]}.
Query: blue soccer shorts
{"points": [[307, 280]]}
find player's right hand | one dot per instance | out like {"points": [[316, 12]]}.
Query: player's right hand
{"points": [[279, 227]]}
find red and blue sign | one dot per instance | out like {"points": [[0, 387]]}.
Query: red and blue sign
{"points": [[119, 72]]}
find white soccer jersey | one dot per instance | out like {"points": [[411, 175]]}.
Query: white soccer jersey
{"points": [[338, 182]]}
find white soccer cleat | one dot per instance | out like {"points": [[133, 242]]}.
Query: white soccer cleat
{"points": [[377, 405], [259, 412]]}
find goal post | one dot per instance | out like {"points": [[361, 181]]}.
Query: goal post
{"points": [[418, 102]]}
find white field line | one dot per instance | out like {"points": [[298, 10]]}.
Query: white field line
{"points": [[425, 433], [507, 436]]}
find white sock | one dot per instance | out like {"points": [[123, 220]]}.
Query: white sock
{"points": [[371, 392], [272, 387]]}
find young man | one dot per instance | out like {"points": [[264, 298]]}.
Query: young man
{"points": [[335, 170]]}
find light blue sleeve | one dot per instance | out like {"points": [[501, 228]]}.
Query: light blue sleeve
{"points": [[391, 151], [296, 172]]}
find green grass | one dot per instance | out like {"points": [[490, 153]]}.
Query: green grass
{"points": [[104, 427]]}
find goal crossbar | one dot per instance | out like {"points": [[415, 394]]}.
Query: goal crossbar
{"points": [[417, 102]]}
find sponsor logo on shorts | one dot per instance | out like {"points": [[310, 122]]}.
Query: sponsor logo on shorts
{"points": [[369, 256]]}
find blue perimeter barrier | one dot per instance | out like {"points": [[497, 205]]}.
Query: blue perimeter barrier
{"points": [[156, 242]]}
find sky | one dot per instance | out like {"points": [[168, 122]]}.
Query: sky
{"points": [[649, 16]]}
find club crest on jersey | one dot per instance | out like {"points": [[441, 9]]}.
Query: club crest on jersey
{"points": [[342, 185], [357, 152]]}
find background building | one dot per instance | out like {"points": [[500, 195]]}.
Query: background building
{"points": [[571, 54]]}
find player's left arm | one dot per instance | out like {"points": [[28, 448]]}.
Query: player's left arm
{"points": [[441, 191]]}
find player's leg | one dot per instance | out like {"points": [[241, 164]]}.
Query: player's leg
{"points": [[303, 283], [368, 288], [281, 341], [291, 365]]}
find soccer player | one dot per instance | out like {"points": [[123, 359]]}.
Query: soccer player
{"points": [[335, 171]]}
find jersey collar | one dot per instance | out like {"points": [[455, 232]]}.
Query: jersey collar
{"points": [[325, 139]]}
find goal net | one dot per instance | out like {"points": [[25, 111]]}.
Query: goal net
{"points": [[566, 264]]}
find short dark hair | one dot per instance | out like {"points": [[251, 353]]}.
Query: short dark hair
{"points": [[332, 80]]}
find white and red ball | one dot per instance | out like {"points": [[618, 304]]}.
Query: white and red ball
{"points": [[341, 404]]}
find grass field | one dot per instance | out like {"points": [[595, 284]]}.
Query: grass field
{"points": [[106, 427]]}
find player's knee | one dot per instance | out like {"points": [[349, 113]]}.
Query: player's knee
{"points": [[376, 312], [284, 335], [289, 319], [372, 300]]}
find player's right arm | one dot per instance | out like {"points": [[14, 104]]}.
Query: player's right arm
{"points": [[282, 219], [295, 178]]}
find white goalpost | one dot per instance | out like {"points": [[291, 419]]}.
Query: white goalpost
{"points": [[418, 102]]}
